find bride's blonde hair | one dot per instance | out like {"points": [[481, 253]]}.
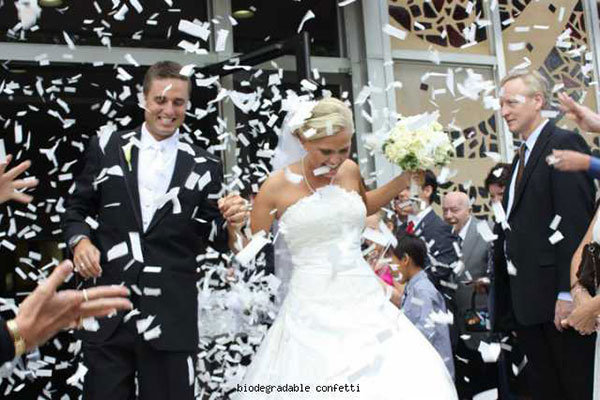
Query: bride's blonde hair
{"points": [[329, 116]]}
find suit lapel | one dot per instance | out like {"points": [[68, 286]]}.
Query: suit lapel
{"points": [[128, 157], [507, 188], [183, 167], [534, 158]]}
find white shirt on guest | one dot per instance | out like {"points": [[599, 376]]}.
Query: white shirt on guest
{"points": [[465, 228], [416, 219], [156, 164], [529, 143]]}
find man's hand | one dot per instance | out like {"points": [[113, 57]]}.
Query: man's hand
{"points": [[569, 160], [87, 259], [585, 118], [8, 184], [562, 310], [234, 209], [45, 311]]}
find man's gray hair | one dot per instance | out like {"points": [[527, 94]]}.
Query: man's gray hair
{"points": [[535, 81]]}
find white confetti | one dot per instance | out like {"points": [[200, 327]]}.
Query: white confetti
{"points": [[395, 32], [556, 237], [117, 251], [486, 233], [555, 222], [309, 15], [222, 35], [510, 268], [136, 246], [248, 253], [489, 352], [201, 31]]}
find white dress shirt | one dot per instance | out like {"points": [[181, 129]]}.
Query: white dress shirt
{"points": [[529, 143], [156, 164], [464, 229], [416, 219]]}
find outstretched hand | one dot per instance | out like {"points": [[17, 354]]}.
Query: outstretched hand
{"points": [[46, 311], [9, 184], [585, 118]]}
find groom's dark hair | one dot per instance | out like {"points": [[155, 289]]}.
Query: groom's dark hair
{"points": [[431, 180], [413, 246]]}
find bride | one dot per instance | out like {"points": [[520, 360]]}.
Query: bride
{"points": [[336, 335]]}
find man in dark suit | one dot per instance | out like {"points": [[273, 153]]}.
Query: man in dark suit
{"points": [[143, 212], [474, 376], [533, 251], [418, 217]]}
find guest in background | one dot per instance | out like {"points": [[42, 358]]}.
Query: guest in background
{"points": [[422, 221], [421, 301], [472, 375], [496, 180]]}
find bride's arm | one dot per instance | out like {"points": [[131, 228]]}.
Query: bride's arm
{"points": [[579, 294], [261, 215], [264, 208], [381, 196]]}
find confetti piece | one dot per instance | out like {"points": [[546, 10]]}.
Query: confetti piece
{"points": [[153, 333], [555, 221], [489, 352], [248, 253], [499, 214], [490, 394], [92, 222], [143, 324], [222, 35], [510, 268], [486, 233], [395, 32], [136, 246], [117, 251], [556, 237], [309, 15], [321, 170]]}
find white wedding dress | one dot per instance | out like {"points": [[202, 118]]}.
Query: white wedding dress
{"points": [[336, 326]]}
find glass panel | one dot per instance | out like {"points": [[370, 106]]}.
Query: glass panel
{"points": [[99, 22], [426, 88], [448, 26], [276, 20]]}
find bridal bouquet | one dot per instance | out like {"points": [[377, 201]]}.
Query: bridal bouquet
{"points": [[417, 143]]}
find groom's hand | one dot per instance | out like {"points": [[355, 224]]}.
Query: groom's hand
{"points": [[87, 259], [234, 209]]}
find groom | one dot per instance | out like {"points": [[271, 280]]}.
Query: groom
{"points": [[143, 212]]}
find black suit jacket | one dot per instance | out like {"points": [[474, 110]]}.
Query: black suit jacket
{"points": [[543, 269], [433, 228], [173, 241], [7, 348]]}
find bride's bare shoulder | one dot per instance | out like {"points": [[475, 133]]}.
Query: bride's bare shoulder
{"points": [[280, 180], [350, 169]]}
